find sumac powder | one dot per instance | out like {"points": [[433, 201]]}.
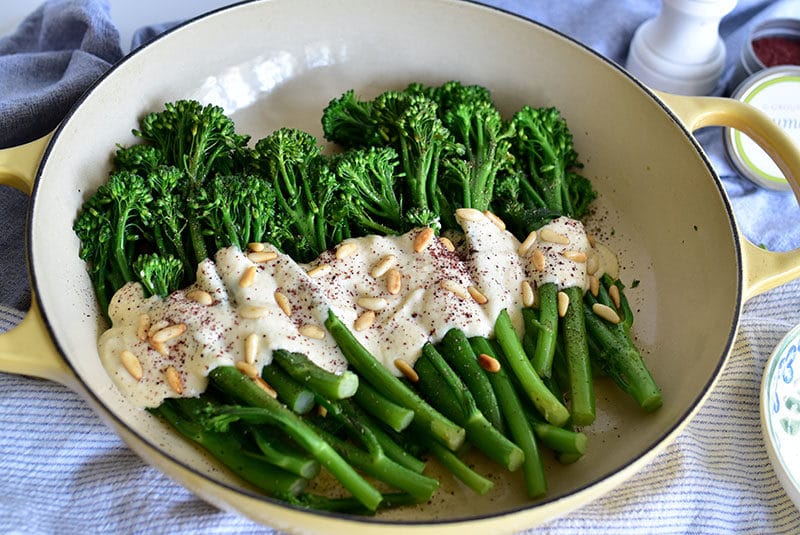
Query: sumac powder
{"points": [[777, 51]]}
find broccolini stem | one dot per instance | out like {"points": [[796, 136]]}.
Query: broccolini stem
{"points": [[281, 455], [237, 385], [456, 350], [514, 413], [548, 329], [326, 384], [440, 385], [465, 474], [395, 416], [514, 356], [579, 367], [425, 416], [227, 448], [295, 396]]}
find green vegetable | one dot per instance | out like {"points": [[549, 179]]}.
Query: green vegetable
{"points": [[579, 369], [324, 383]]}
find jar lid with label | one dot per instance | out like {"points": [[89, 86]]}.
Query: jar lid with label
{"points": [[776, 92]]}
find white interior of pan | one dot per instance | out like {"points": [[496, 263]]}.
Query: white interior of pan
{"points": [[278, 63]]}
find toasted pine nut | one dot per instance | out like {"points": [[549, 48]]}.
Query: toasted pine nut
{"points": [[477, 295], [563, 304], [527, 243], [422, 239], [174, 380], [575, 256], [406, 369], [251, 348], [454, 288], [552, 236], [319, 271], [592, 263], [469, 214], [499, 223], [247, 368], [489, 363], [346, 249], [256, 247], [613, 293], [161, 347], [283, 303], [592, 240], [312, 331], [168, 333], [594, 285], [376, 304], [447, 243], [261, 257], [538, 260], [528, 295], [383, 265], [265, 386], [322, 411], [364, 321], [248, 277], [605, 312], [394, 281], [253, 312], [201, 297], [142, 327], [132, 364], [155, 327]]}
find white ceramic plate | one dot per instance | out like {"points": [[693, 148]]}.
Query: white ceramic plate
{"points": [[780, 412]]}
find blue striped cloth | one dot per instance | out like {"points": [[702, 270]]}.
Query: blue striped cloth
{"points": [[63, 471]]}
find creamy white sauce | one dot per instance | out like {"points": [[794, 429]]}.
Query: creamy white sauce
{"points": [[434, 297], [558, 268]]}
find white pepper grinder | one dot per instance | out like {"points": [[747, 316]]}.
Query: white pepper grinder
{"points": [[680, 50]]}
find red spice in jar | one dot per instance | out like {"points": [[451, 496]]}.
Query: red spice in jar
{"points": [[777, 51]]}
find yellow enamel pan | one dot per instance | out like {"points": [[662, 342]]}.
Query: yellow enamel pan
{"points": [[275, 63]]}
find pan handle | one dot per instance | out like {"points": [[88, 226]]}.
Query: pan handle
{"points": [[27, 348], [763, 270]]}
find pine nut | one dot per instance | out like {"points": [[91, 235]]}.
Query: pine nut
{"points": [[575, 256], [364, 321], [444, 240], [161, 347], [262, 257], [383, 265], [200, 297], [477, 295], [256, 247], [312, 331], [131, 364], [248, 277], [528, 295], [593, 264], [155, 327], [143, 327], [376, 304], [322, 411], [605, 312], [319, 271], [454, 288], [499, 223], [594, 285], [613, 293], [168, 333], [253, 312], [469, 214], [406, 369], [592, 240], [394, 281], [283, 303], [422, 239], [265, 387], [552, 236], [247, 369], [174, 380], [489, 363], [527, 244], [251, 348], [538, 260], [563, 304], [346, 249]]}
